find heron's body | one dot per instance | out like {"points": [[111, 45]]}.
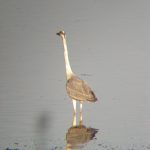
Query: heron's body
{"points": [[77, 89]]}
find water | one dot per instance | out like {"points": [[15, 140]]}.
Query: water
{"points": [[42, 123], [108, 47]]}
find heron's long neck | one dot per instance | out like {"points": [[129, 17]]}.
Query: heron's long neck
{"points": [[68, 67]]}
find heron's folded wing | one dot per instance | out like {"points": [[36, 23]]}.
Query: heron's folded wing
{"points": [[80, 90]]}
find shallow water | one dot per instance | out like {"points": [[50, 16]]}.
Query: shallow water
{"points": [[41, 123], [108, 47]]}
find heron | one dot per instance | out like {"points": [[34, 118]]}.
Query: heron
{"points": [[77, 89]]}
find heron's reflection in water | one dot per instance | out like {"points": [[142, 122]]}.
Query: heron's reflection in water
{"points": [[78, 135]]}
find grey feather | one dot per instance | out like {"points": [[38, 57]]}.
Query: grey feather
{"points": [[79, 90]]}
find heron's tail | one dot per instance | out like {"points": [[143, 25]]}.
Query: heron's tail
{"points": [[92, 97]]}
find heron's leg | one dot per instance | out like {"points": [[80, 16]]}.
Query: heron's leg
{"points": [[74, 105], [74, 122], [81, 106], [81, 118]]}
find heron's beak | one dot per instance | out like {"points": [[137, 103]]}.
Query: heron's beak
{"points": [[58, 33]]}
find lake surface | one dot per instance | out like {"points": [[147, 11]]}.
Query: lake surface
{"points": [[32, 121], [108, 45]]}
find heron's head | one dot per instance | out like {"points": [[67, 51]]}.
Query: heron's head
{"points": [[61, 34]]}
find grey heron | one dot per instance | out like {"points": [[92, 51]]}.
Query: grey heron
{"points": [[77, 89]]}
